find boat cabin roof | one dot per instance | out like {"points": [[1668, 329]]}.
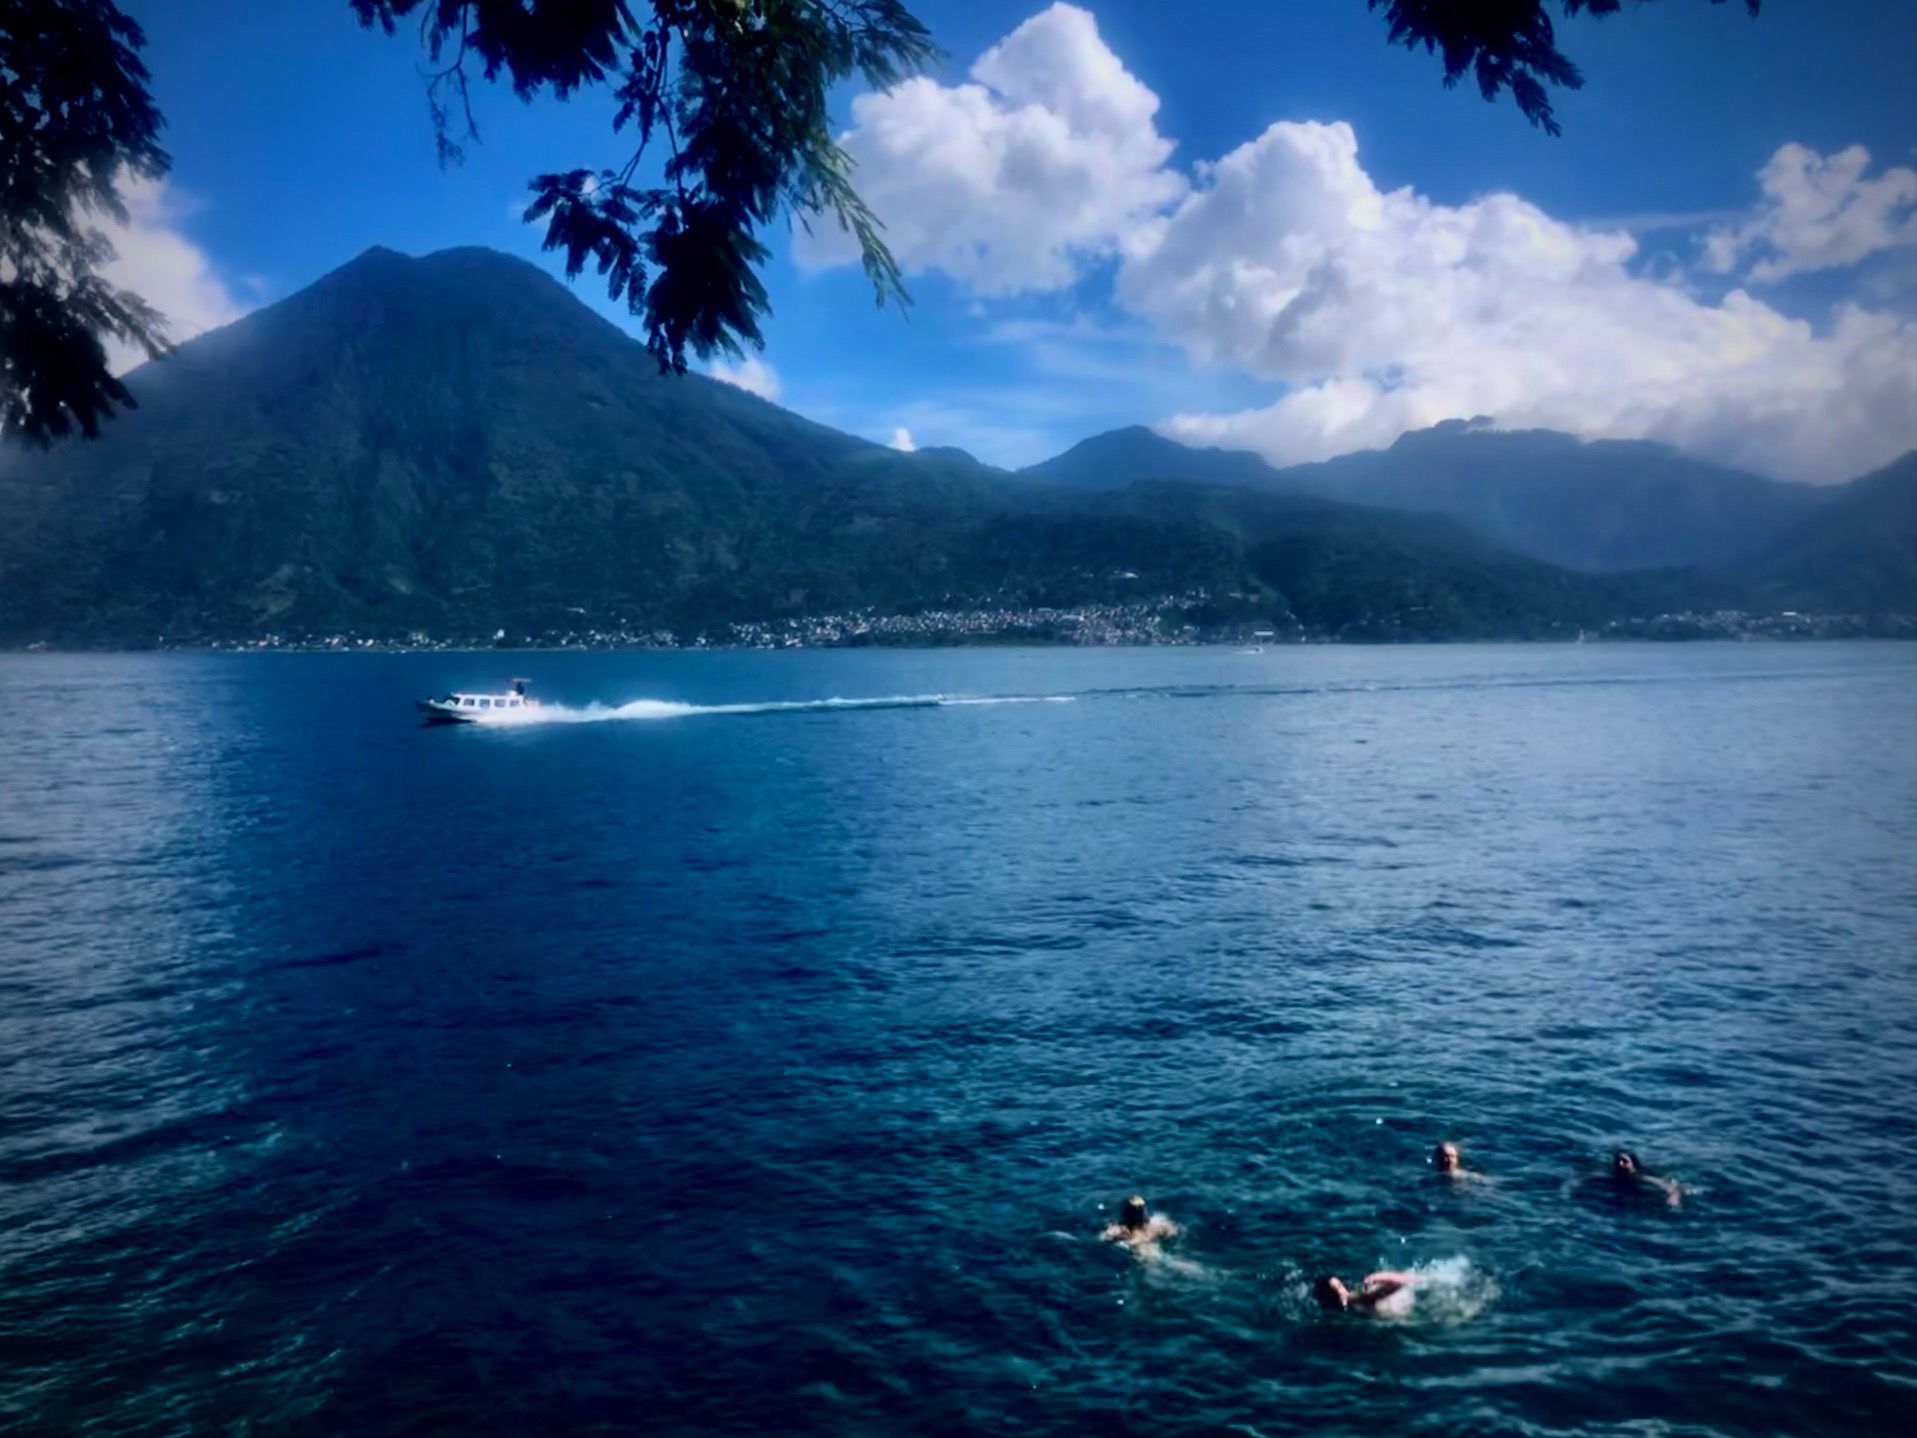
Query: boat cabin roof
{"points": [[488, 701]]}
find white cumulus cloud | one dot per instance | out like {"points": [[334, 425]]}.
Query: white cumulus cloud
{"points": [[750, 374], [1385, 311], [1819, 213], [1012, 182], [902, 440], [1374, 312], [160, 264]]}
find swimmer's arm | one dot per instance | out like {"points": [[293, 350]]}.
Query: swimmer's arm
{"points": [[1380, 1286], [1673, 1191], [1161, 1227]]}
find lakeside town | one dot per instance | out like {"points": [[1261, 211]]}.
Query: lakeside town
{"points": [[1164, 621]]}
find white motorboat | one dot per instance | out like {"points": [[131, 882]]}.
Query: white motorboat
{"points": [[473, 708]]}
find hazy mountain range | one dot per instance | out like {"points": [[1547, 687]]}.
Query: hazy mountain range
{"points": [[1597, 505], [455, 444]]}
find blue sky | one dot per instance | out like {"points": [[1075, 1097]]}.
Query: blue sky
{"points": [[1390, 253]]}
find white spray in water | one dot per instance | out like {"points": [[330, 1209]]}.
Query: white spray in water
{"points": [[1448, 1290], [672, 709]]}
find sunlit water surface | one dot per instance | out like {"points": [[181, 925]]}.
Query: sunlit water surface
{"points": [[773, 1069]]}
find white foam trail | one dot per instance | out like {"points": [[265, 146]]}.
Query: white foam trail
{"points": [[954, 701], [672, 709], [1449, 1290]]}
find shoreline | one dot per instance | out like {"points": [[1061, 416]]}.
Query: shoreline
{"points": [[1240, 646]]}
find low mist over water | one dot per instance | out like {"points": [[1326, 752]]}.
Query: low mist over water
{"points": [[769, 1055]]}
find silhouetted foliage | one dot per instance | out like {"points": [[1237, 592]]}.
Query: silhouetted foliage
{"points": [[1505, 44], [736, 93], [75, 120]]}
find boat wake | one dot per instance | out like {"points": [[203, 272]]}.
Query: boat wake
{"points": [[502, 714], [642, 709]]}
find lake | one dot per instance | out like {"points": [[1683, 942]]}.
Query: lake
{"points": [[712, 1059]]}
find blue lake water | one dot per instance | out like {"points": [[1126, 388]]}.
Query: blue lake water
{"points": [[773, 1070]]}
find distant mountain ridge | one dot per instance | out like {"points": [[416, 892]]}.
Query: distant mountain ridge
{"points": [[1599, 505], [455, 445], [1120, 457], [1857, 553], [454, 440]]}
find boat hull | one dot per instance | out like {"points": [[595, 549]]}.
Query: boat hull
{"points": [[434, 712]]}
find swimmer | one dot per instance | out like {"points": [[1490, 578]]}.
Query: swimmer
{"points": [[1628, 1176], [1448, 1162], [1387, 1292], [1137, 1226]]}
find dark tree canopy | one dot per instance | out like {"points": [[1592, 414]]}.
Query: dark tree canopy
{"points": [[1505, 44], [729, 97], [738, 90], [732, 97], [75, 120]]}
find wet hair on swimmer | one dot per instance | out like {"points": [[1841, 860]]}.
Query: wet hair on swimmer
{"points": [[1133, 1213], [1624, 1161], [1328, 1291]]}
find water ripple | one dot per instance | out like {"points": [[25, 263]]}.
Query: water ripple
{"points": [[698, 1076]]}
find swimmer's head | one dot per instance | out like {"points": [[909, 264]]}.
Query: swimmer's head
{"points": [[1133, 1214], [1331, 1292], [1624, 1164], [1445, 1158]]}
